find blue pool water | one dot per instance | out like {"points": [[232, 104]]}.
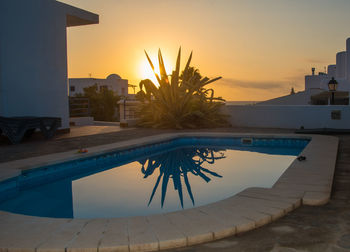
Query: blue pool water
{"points": [[164, 177]]}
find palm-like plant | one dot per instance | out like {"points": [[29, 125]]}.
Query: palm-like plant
{"points": [[181, 101]]}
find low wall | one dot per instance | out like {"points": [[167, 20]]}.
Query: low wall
{"points": [[290, 117]]}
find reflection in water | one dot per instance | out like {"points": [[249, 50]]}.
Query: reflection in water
{"points": [[119, 189], [176, 164]]}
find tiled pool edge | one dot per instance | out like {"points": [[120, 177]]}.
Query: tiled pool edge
{"points": [[307, 182]]}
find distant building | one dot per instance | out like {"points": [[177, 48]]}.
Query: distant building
{"points": [[33, 56], [316, 85], [112, 82]]}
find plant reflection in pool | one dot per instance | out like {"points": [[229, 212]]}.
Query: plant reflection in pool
{"points": [[176, 164], [121, 184]]}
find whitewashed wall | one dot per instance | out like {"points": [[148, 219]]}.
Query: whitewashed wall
{"points": [[290, 117], [33, 57], [116, 84]]}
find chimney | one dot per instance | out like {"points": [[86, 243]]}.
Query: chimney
{"points": [[313, 71]]}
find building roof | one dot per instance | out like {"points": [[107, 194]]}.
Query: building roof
{"points": [[300, 98], [114, 77], [77, 16]]}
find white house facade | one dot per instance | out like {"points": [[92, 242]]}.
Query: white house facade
{"points": [[33, 56], [301, 110], [112, 82], [316, 85]]}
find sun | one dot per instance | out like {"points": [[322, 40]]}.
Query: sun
{"points": [[146, 72]]}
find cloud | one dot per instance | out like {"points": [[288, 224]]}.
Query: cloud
{"points": [[316, 60], [229, 82]]}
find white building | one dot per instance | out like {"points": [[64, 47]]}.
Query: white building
{"points": [[33, 56], [112, 82], [316, 86]]}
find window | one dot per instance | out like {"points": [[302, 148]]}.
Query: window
{"points": [[72, 88]]}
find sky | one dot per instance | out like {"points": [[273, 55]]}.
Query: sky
{"points": [[260, 48]]}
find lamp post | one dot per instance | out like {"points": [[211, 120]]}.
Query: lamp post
{"points": [[332, 87]]}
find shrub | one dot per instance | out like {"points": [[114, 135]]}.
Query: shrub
{"points": [[103, 103], [181, 101]]}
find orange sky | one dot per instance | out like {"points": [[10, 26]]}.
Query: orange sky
{"points": [[260, 48]]}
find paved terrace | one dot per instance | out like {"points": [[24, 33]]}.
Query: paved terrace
{"points": [[325, 228]]}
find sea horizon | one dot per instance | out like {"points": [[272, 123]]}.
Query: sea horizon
{"points": [[241, 102]]}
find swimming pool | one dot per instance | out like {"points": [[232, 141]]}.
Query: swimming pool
{"points": [[303, 183], [163, 177]]}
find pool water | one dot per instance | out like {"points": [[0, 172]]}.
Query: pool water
{"points": [[179, 177]]}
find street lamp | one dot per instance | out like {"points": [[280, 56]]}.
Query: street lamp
{"points": [[332, 87]]}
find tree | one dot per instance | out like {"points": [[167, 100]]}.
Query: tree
{"points": [[103, 103], [181, 101]]}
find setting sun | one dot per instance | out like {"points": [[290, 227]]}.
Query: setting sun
{"points": [[146, 72]]}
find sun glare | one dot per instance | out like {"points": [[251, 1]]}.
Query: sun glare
{"points": [[146, 72]]}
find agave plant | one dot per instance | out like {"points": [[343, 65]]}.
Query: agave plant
{"points": [[178, 163], [181, 101]]}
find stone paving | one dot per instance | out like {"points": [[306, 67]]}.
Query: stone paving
{"points": [[325, 228], [92, 136], [79, 137]]}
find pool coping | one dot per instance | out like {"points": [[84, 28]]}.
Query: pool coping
{"points": [[306, 182]]}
